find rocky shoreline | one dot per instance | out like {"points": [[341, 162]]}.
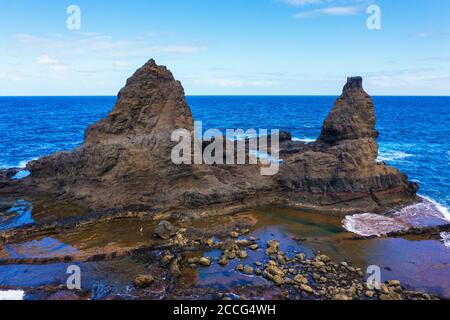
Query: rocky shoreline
{"points": [[125, 162], [122, 183], [291, 276]]}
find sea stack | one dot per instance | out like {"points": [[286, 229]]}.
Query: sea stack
{"points": [[124, 162]]}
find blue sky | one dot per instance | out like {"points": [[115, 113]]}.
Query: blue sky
{"points": [[226, 47]]}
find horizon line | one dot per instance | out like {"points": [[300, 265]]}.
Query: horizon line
{"points": [[225, 95]]}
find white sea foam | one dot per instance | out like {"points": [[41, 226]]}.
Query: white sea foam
{"points": [[393, 155], [23, 164], [446, 238], [305, 140], [10, 295], [423, 214]]}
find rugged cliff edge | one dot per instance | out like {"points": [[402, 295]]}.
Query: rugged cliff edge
{"points": [[124, 163]]}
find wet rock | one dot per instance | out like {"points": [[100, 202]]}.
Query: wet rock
{"points": [[301, 279], [175, 269], [248, 270], [209, 242], [342, 297], [231, 255], [300, 256], [125, 160], [242, 254], [165, 230], [306, 288], [370, 294], [391, 297], [279, 280], [254, 247], [240, 267], [272, 247], [143, 281], [166, 260], [223, 261], [394, 283], [234, 234], [204, 261], [193, 260]]}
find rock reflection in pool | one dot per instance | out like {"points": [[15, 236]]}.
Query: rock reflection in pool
{"points": [[44, 248]]}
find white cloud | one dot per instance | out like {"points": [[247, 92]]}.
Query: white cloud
{"points": [[11, 77], [300, 3], [329, 11], [47, 60], [233, 83], [52, 63], [425, 34]]}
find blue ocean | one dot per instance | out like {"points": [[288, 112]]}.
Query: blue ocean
{"points": [[415, 131]]}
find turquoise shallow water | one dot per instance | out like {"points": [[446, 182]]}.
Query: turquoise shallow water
{"points": [[414, 130]]}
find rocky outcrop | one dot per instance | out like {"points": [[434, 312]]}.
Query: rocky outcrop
{"points": [[124, 163]]}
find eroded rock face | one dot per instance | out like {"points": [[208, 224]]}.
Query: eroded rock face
{"points": [[125, 162]]}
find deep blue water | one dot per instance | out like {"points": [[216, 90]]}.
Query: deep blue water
{"points": [[415, 131]]}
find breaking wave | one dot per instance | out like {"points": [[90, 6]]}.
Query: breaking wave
{"points": [[10, 295], [427, 213], [305, 140], [446, 238], [393, 155]]}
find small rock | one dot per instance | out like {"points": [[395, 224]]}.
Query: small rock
{"points": [[143, 281], [394, 283], [306, 288], [370, 294], [166, 260], [248, 270], [231, 255], [254, 247], [279, 280], [234, 234], [272, 247], [391, 297], [240, 267], [242, 254], [165, 230], [341, 297], [223, 261], [300, 256], [205, 261], [301, 279], [209, 242]]}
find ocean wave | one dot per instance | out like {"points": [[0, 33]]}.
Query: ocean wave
{"points": [[20, 165], [446, 238], [427, 213], [10, 295], [393, 155], [305, 140]]}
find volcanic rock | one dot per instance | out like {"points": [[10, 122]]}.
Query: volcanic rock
{"points": [[125, 162]]}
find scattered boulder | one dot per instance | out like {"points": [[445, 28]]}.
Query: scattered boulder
{"points": [[165, 230], [205, 261], [143, 281]]}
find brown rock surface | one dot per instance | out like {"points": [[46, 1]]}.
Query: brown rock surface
{"points": [[124, 163]]}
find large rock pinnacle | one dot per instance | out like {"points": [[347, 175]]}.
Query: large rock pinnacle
{"points": [[353, 115]]}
